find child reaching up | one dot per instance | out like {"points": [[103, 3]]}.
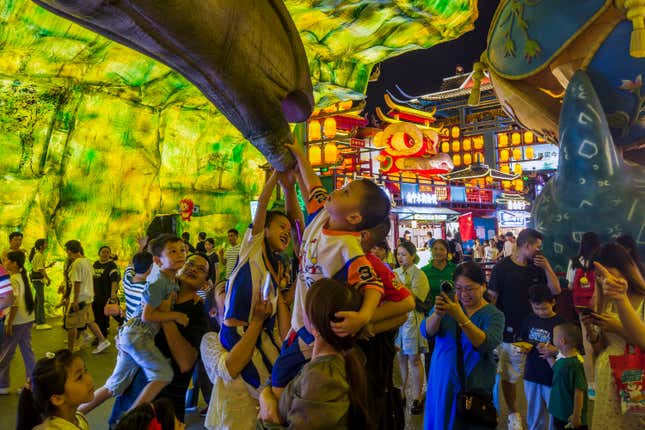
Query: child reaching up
{"points": [[60, 383], [136, 338], [568, 399], [331, 249], [261, 275]]}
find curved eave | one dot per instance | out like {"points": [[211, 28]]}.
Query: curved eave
{"points": [[423, 115]]}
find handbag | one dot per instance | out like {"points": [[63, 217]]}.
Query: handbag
{"points": [[628, 371], [475, 406], [112, 308]]}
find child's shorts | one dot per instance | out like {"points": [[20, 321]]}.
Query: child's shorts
{"points": [[511, 363], [137, 349], [295, 353]]}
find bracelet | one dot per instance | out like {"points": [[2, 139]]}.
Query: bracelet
{"points": [[465, 324]]}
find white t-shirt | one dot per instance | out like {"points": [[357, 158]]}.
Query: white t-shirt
{"points": [[22, 316], [490, 253], [38, 262], [509, 247], [231, 406], [81, 271]]}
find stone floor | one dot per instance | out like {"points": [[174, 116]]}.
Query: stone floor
{"points": [[100, 367]]}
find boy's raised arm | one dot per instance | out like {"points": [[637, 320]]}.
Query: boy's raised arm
{"points": [[309, 177]]}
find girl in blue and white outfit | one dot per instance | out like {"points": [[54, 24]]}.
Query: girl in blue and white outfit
{"points": [[259, 262]]}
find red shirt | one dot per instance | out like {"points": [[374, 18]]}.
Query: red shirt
{"points": [[393, 290]]}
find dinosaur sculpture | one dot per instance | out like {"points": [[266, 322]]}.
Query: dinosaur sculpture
{"points": [[535, 47], [594, 189], [546, 59], [246, 56]]}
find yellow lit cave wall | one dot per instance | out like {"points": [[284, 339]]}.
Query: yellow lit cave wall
{"points": [[96, 139]]}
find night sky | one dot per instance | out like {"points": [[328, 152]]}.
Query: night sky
{"points": [[421, 72]]}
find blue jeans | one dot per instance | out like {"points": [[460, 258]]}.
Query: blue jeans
{"points": [[39, 286], [137, 349]]}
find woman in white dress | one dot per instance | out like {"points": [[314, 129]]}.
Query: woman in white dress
{"points": [[608, 336], [409, 340]]}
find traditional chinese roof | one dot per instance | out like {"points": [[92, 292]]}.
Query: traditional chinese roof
{"points": [[476, 171]]}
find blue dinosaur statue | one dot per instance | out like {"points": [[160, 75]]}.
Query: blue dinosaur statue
{"points": [[594, 188]]}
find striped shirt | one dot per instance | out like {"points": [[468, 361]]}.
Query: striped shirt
{"points": [[230, 255], [5, 285], [132, 291]]}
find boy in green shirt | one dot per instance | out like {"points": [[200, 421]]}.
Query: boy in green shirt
{"points": [[568, 400]]}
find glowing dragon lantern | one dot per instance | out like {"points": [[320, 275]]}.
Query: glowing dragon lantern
{"points": [[409, 149]]}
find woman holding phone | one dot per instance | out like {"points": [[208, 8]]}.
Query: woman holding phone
{"points": [[465, 317]]}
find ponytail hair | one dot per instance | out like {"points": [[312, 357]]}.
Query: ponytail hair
{"points": [[143, 415], [324, 299], [48, 378], [39, 244], [18, 257]]}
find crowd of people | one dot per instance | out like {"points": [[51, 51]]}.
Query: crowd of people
{"points": [[298, 326]]}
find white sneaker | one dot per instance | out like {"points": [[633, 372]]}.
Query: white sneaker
{"points": [[43, 327], [515, 421], [101, 347]]}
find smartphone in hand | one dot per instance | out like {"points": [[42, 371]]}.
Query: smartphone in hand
{"points": [[448, 288]]}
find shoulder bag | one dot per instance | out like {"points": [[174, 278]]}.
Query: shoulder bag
{"points": [[474, 406]]}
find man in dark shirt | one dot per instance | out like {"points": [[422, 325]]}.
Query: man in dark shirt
{"points": [[508, 288], [185, 236], [180, 344], [201, 242]]}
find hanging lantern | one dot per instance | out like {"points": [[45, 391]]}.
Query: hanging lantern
{"points": [[331, 153], [517, 169], [346, 105], [455, 146], [454, 132], [489, 179], [456, 160], [314, 130], [541, 139], [506, 184], [504, 168], [315, 154], [502, 140], [479, 157], [518, 184], [468, 159], [329, 127], [529, 152], [517, 154], [528, 137], [445, 147], [503, 155], [466, 144], [478, 141], [516, 139]]}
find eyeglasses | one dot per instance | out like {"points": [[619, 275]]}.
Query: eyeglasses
{"points": [[468, 290]]}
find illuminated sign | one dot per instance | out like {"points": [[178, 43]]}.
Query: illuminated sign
{"points": [[517, 205], [420, 199], [513, 218]]}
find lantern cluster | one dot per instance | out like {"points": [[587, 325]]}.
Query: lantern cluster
{"points": [[463, 150]]}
